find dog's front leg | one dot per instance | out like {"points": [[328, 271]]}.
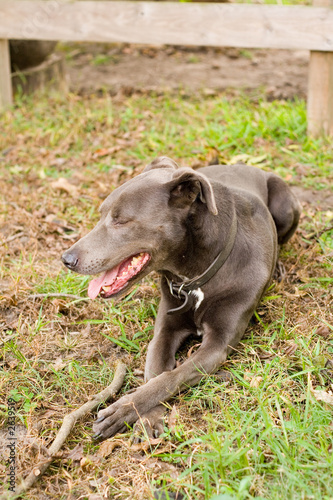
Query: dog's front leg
{"points": [[169, 334], [131, 407]]}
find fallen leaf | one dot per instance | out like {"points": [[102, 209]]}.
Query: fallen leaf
{"points": [[290, 349], [96, 483], [58, 365], [223, 376], [76, 454], [84, 461], [66, 231], [298, 293], [190, 351], [209, 92], [265, 354], [319, 361], [108, 446], [326, 397], [145, 445], [89, 459], [255, 160], [172, 419], [241, 158], [249, 160], [255, 381], [48, 414], [324, 331], [85, 332], [103, 187], [63, 185], [99, 153], [138, 373]]}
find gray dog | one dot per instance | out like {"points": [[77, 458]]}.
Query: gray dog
{"points": [[213, 235]]}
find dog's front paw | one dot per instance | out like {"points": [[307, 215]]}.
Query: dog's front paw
{"points": [[150, 425], [114, 418]]}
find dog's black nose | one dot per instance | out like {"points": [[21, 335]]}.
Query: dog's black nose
{"points": [[70, 260]]}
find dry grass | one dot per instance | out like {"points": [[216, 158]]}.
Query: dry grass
{"points": [[57, 351]]}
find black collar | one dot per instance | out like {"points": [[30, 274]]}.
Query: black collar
{"points": [[184, 290]]}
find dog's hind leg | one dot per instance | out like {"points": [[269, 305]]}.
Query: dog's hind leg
{"points": [[284, 207]]}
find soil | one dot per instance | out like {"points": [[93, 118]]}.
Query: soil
{"points": [[322, 200], [130, 68]]}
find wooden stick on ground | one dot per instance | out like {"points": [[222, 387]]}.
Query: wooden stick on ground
{"points": [[67, 426], [56, 295]]}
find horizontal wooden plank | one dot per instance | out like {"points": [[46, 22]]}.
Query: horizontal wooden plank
{"points": [[235, 25]]}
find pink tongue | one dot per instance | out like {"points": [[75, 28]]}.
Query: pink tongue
{"points": [[106, 279]]}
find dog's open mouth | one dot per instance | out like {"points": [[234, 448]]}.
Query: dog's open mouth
{"points": [[115, 279]]}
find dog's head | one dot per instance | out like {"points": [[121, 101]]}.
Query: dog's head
{"points": [[143, 225]]}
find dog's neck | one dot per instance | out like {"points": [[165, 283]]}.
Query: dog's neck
{"points": [[190, 290]]}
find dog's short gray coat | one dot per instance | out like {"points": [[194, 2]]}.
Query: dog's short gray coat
{"points": [[183, 218]]}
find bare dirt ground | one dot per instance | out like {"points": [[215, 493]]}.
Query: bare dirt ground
{"points": [[130, 68]]}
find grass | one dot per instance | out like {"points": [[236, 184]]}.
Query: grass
{"points": [[256, 445], [259, 433], [199, 129]]}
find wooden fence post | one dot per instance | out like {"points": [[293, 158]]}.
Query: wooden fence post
{"points": [[320, 88], [6, 96]]}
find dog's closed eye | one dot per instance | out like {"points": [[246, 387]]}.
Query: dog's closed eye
{"points": [[116, 221]]}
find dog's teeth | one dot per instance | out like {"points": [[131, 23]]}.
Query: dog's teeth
{"points": [[106, 288]]}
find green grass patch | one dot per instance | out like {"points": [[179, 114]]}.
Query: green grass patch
{"points": [[269, 134]]}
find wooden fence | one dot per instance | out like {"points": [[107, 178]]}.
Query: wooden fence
{"points": [[210, 24]]}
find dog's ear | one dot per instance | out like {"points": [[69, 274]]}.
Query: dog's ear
{"points": [[161, 162], [187, 185]]}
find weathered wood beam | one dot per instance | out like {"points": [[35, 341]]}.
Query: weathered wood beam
{"points": [[224, 25], [234, 25], [320, 88]]}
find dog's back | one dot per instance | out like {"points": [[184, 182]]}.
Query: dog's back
{"points": [[271, 189]]}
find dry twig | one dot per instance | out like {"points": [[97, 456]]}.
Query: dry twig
{"points": [[56, 295], [12, 238], [318, 234], [67, 425]]}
